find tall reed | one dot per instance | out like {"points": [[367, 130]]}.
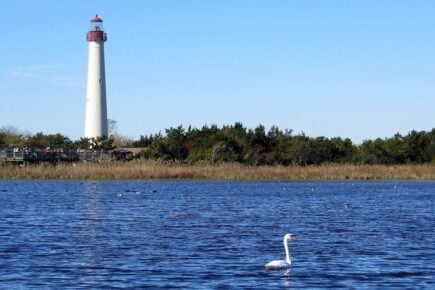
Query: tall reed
{"points": [[229, 171]]}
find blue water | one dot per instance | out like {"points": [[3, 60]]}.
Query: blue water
{"points": [[216, 235]]}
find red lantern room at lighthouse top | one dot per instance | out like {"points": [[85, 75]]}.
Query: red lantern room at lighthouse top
{"points": [[96, 32]]}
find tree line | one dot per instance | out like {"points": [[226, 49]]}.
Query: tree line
{"points": [[236, 143]]}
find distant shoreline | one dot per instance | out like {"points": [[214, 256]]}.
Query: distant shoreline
{"points": [[226, 171]]}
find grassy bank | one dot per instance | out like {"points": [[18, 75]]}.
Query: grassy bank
{"points": [[157, 170]]}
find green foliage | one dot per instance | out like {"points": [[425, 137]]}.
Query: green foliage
{"points": [[100, 143], [235, 143], [415, 148], [39, 140]]}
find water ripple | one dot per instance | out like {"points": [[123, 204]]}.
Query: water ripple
{"points": [[215, 235]]}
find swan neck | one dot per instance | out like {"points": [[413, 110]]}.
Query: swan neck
{"points": [[287, 252]]}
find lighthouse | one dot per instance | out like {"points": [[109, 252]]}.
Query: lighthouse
{"points": [[96, 105]]}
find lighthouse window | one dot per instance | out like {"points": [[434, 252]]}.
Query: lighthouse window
{"points": [[101, 81]]}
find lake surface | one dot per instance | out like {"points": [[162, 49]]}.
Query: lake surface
{"points": [[216, 235]]}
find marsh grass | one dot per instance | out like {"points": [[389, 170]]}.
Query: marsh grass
{"points": [[229, 171]]}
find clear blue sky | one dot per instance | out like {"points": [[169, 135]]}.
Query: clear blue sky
{"points": [[359, 69]]}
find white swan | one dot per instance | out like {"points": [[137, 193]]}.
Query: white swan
{"points": [[282, 264]]}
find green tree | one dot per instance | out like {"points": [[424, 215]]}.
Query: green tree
{"points": [[40, 140], [419, 147]]}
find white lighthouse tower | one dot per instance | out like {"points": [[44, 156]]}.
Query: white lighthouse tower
{"points": [[96, 106]]}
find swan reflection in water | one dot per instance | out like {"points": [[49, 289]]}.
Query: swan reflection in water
{"points": [[282, 264]]}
